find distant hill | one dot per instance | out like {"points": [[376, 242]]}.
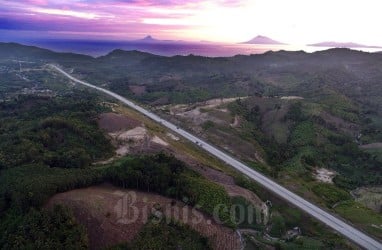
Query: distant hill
{"points": [[23, 52], [150, 39], [342, 45], [352, 73], [262, 40]]}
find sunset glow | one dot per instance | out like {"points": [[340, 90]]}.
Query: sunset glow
{"points": [[293, 21]]}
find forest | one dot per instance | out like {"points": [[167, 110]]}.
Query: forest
{"points": [[55, 140]]}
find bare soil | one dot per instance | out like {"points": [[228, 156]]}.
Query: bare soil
{"points": [[113, 215], [137, 89], [291, 98], [194, 112], [112, 122], [129, 136], [324, 175]]}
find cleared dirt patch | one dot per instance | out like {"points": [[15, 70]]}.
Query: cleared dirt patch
{"points": [[136, 141], [112, 122], [372, 145], [291, 98], [137, 89], [135, 134], [172, 136], [114, 215], [198, 112], [159, 141], [219, 101], [324, 175], [236, 122]]}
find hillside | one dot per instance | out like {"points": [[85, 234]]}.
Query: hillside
{"points": [[192, 78], [22, 52], [311, 121]]}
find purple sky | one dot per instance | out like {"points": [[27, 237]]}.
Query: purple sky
{"points": [[291, 21]]}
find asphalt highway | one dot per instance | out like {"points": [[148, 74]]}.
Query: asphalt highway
{"points": [[325, 217]]}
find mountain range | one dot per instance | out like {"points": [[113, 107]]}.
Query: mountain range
{"points": [[342, 45], [256, 40]]}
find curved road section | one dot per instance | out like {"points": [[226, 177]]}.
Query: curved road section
{"points": [[340, 226]]}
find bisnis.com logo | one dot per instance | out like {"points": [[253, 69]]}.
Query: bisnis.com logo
{"points": [[130, 209]]}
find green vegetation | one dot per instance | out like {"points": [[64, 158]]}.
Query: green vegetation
{"points": [[361, 215], [375, 152], [304, 243], [278, 227], [168, 176], [47, 145], [30, 186], [54, 229], [208, 124], [22, 188], [245, 214], [330, 193], [58, 132], [312, 142], [162, 235]]}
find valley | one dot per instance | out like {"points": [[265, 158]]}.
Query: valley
{"points": [[323, 147]]}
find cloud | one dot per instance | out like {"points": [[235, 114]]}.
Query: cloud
{"points": [[292, 21], [98, 16], [60, 12]]}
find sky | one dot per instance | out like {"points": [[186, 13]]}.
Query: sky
{"points": [[230, 21]]}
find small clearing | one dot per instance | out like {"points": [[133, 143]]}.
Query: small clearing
{"points": [[196, 112], [159, 141], [173, 137], [136, 141], [375, 145], [129, 136], [135, 134], [236, 122], [112, 122], [122, 150], [213, 103], [324, 175], [137, 89], [291, 98]]}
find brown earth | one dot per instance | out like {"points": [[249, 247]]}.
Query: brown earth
{"points": [[112, 122], [137, 89], [113, 215]]}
